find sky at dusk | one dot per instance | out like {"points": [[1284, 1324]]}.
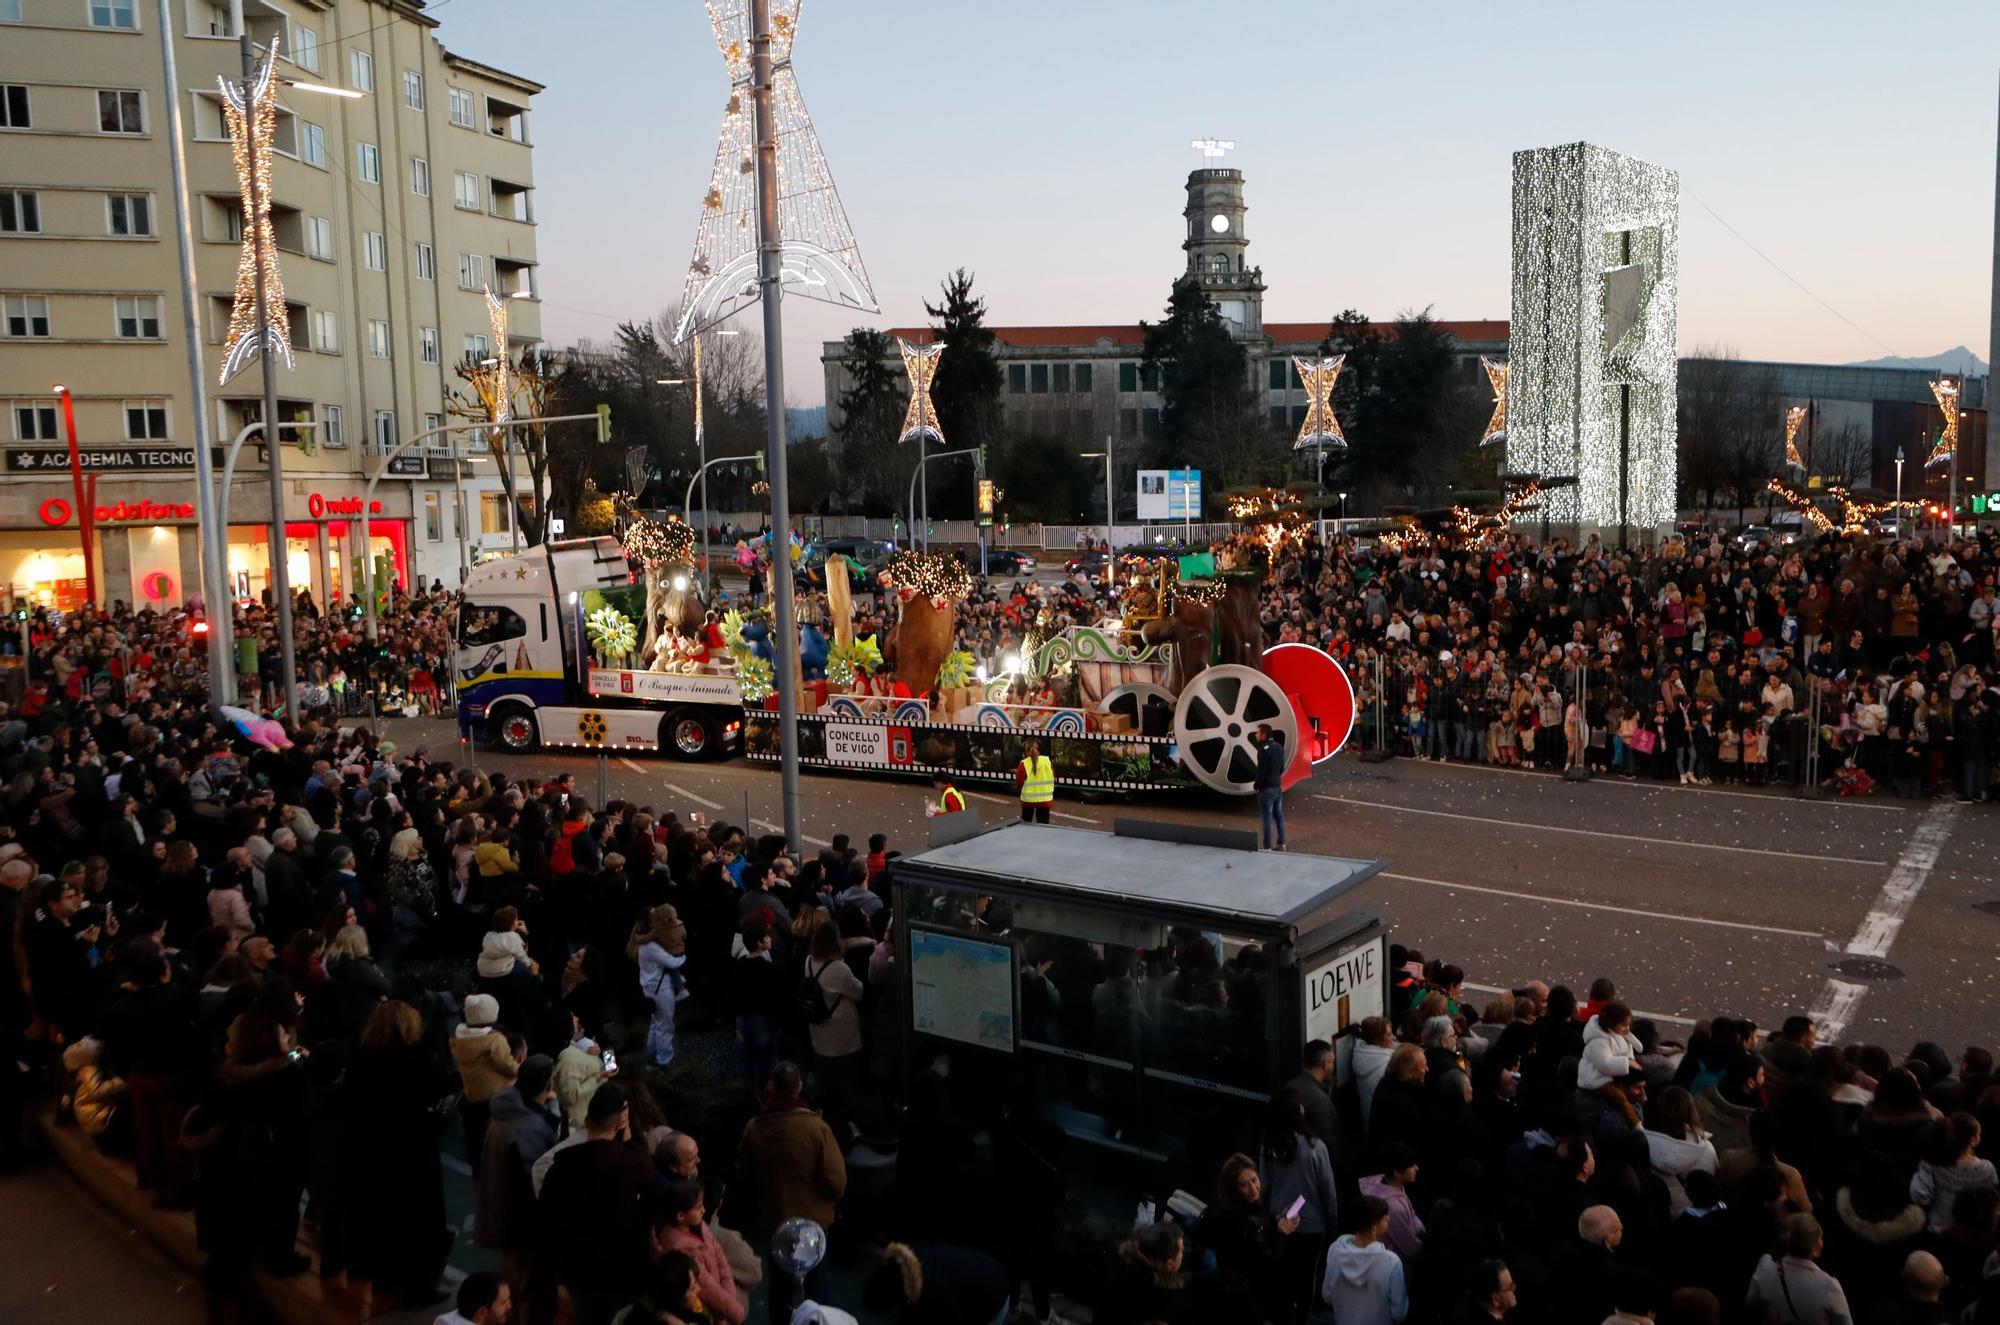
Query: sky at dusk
{"points": [[1045, 145]]}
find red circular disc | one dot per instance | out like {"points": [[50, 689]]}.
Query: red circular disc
{"points": [[1320, 688]]}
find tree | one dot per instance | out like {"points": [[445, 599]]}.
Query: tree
{"points": [[966, 389], [871, 467], [1206, 411], [1410, 414], [534, 458], [1043, 478], [1731, 425]]}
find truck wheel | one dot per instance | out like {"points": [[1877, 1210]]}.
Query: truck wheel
{"points": [[517, 732], [691, 735]]}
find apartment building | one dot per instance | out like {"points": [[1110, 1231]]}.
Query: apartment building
{"points": [[393, 211]]}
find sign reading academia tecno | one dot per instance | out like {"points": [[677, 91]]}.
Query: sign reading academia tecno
{"points": [[101, 459], [57, 511]]}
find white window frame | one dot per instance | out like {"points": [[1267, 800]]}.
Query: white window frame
{"points": [[427, 344], [40, 412], [305, 48], [384, 432], [361, 71], [462, 99], [139, 310], [466, 192], [24, 306], [312, 144], [471, 271], [433, 516], [330, 433], [147, 407], [420, 177], [413, 89], [427, 262], [378, 338], [374, 250], [476, 347], [368, 163], [145, 201], [27, 106], [113, 10], [121, 93], [25, 201], [326, 330], [319, 238]]}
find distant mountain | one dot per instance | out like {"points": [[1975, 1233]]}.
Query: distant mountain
{"points": [[802, 421], [1957, 359]]}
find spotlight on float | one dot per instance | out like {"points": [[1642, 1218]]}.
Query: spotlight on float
{"points": [[1011, 663], [680, 583]]}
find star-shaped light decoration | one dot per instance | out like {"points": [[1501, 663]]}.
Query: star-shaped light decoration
{"points": [[253, 120], [1946, 392], [1496, 427], [1794, 416], [1321, 428], [920, 361]]}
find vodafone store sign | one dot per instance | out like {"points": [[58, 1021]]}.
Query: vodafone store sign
{"points": [[57, 511], [319, 506]]}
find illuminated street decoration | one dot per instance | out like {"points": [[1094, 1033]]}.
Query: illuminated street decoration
{"points": [[1854, 515], [501, 403], [1946, 392], [1592, 347], [1496, 427], [1794, 416], [819, 259], [252, 121], [921, 362], [1321, 428]]}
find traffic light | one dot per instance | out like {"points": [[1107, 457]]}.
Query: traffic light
{"points": [[603, 423]]}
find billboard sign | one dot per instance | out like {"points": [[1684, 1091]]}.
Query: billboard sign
{"points": [[1169, 494]]}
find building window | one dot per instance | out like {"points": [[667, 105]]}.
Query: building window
{"points": [[20, 212], [471, 271], [493, 513], [476, 348], [326, 331], [369, 159], [1060, 382], [131, 214], [378, 339], [374, 250], [121, 14], [312, 144], [361, 71], [14, 107], [138, 317], [433, 518], [1150, 419], [1128, 423], [461, 108], [427, 263], [413, 89], [34, 420], [145, 421], [420, 177], [26, 314], [385, 430], [465, 190], [427, 344], [1083, 377], [305, 48], [10, 11], [319, 238], [1128, 377], [120, 112], [329, 426], [1017, 378], [1038, 379], [1278, 413]]}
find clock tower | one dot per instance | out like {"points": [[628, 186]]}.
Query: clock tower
{"points": [[1215, 247]]}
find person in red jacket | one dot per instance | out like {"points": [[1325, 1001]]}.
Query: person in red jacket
{"points": [[562, 857]]}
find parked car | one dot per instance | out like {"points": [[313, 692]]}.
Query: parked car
{"points": [[1087, 563], [999, 561]]}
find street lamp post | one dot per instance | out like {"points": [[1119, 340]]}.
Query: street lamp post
{"points": [[1899, 490], [1110, 553]]}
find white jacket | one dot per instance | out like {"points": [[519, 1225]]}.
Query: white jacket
{"points": [[1607, 1055], [1364, 1285], [1368, 1064], [1675, 1158]]}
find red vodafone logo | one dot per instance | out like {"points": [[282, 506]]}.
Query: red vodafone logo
{"points": [[319, 506], [56, 511]]}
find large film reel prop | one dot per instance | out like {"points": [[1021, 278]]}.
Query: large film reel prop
{"points": [[1322, 691], [1216, 720], [1135, 700]]}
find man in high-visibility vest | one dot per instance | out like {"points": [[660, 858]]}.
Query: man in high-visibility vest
{"points": [[950, 800], [1036, 777]]}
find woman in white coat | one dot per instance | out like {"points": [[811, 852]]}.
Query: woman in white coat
{"points": [[1677, 1143], [659, 945]]}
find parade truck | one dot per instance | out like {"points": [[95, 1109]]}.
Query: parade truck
{"points": [[553, 650]]}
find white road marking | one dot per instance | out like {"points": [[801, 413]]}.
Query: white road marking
{"points": [[1594, 832], [1604, 780], [1649, 1016], [1053, 814], [629, 763], [1606, 906], [698, 800], [770, 827], [1839, 1000]]}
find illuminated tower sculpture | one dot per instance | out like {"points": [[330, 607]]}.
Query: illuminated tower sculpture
{"points": [[1592, 354]]}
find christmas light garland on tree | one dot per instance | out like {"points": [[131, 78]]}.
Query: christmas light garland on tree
{"points": [[929, 574]]}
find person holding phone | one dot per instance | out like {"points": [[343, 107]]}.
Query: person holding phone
{"points": [[1296, 1174], [1248, 1240]]}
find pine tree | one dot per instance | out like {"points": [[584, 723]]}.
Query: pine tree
{"points": [[966, 390], [871, 465], [1205, 402]]}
